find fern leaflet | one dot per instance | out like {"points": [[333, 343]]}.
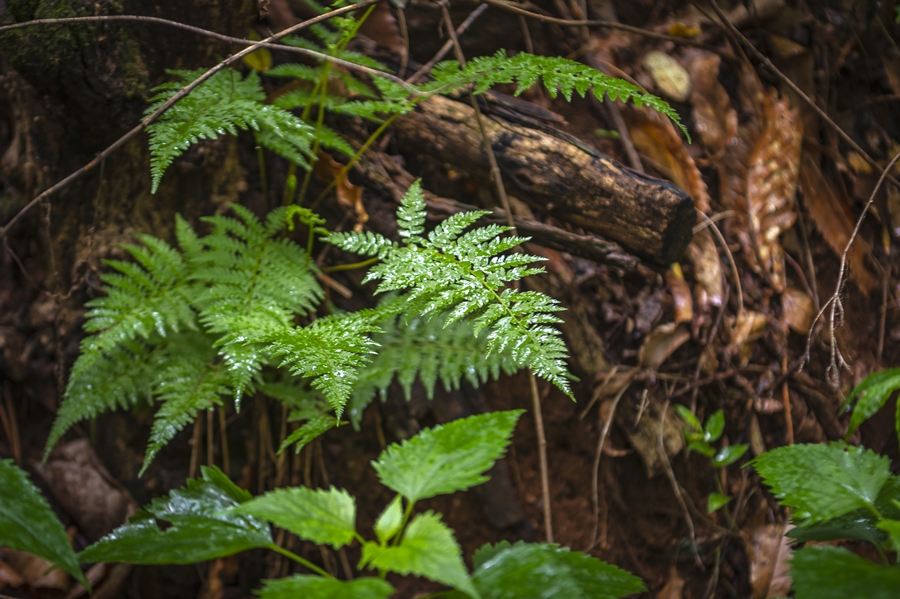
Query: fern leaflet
{"points": [[465, 275], [225, 103]]}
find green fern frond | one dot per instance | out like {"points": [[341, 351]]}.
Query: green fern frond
{"points": [[394, 100], [559, 75], [300, 98], [331, 351], [104, 381], [428, 349], [223, 104], [144, 297], [253, 281], [189, 380], [465, 276]]}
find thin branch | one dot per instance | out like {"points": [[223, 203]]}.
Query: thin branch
{"points": [[834, 302], [182, 93], [675, 486], [227, 38], [595, 472], [512, 7], [448, 45], [784, 79]]}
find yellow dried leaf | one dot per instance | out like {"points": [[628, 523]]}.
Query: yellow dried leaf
{"points": [[715, 119], [654, 136], [669, 76]]}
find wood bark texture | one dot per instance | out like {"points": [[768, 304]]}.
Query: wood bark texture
{"points": [[558, 175]]}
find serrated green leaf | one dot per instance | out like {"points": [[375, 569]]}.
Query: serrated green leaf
{"points": [[199, 528], [323, 517], [729, 455], [390, 520], [447, 458], [27, 522], [304, 586], [427, 549], [835, 573], [872, 393], [715, 501], [715, 426], [823, 481], [860, 524], [538, 571]]}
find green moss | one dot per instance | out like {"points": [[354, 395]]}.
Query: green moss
{"points": [[131, 70]]}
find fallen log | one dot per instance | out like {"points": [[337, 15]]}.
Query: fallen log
{"points": [[557, 174]]}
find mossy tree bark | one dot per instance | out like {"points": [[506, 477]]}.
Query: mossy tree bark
{"points": [[68, 91]]}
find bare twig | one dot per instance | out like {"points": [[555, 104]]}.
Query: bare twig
{"points": [[675, 486], [734, 271], [836, 313], [513, 7], [181, 94], [595, 473], [784, 79], [448, 45]]}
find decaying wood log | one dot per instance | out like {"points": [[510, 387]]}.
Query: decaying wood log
{"points": [[559, 175]]}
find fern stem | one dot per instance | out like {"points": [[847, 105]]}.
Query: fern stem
{"points": [[542, 455], [352, 266], [362, 150], [263, 181], [306, 563]]}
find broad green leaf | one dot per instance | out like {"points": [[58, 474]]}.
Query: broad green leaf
{"points": [[873, 392], [689, 417], [323, 517], [729, 455], [715, 501], [427, 549], [447, 458], [303, 586], [823, 481], [860, 524], [390, 520], [835, 573], [715, 426], [538, 571], [199, 529], [27, 522]]}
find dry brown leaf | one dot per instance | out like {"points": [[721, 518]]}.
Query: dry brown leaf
{"points": [[86, 490], [772, 183], [757, 444], [768, 550], [681, 294], [798, 309], [381, 27], [833, 218], [670, 77], [759, 176], [674, 587], [662, 343], [748, 326], [704, 256], [349, 195], [715, 119], [655, 137], [37, 571], [9, 576]]}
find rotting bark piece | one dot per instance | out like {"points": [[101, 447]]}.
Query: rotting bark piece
{"points": [[560, 175]]}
